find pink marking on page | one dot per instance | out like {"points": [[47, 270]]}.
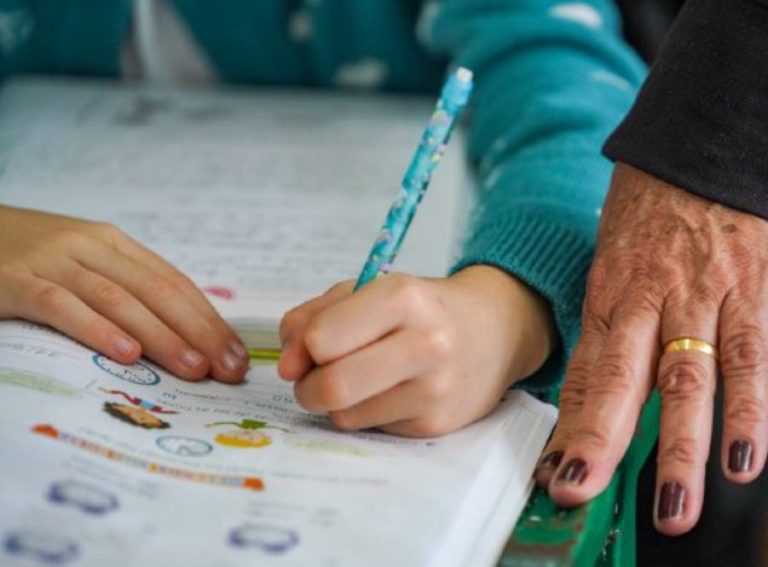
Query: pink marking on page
{"points": [[220, 292]]}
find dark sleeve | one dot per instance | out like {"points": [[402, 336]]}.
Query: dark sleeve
{"points": [[700, 121]]}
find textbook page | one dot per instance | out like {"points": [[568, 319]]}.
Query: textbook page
{"points": [[127, 465], [264, 198]]}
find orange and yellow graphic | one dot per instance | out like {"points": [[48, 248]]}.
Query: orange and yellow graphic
{"points": [[248, 434], [251, 483]]}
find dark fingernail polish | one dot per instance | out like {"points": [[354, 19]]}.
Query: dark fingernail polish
{"points": [[550, 460], [740, 457], [573, 473], [671, 501]]}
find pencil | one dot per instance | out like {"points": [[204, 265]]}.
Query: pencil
{"points": [[264, 354], [453, 99]]}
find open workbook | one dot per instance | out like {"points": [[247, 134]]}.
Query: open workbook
{"points": [[264, 199]]}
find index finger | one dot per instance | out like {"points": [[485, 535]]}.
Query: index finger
{"points": [[131, 248], [295, 360], [376, 310], [615, 392]]}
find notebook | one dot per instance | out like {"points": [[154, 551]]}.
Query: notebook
{"points": [[264, 198]]}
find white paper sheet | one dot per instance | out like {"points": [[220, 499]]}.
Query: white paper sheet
{"points": [[83, 487], [263, 198]]}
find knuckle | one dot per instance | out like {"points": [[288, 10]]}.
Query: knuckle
{"points": [[592, 437], [683, 380], [680, 450], [163, 289], [409, 294], [579, 369], [179, 280], [107, 231], [573, 393], [746, 410], [612, 388], [340, 288], [289, 321], [50, 298], [344, 420], [744, 351], [332, 391], [436, 390], [617, 368], [109, 295], [73, 239], [315, 342], [644, 304], [439, 344], [709, 296]]}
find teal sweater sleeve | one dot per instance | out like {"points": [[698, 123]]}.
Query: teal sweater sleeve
{"points": [[553, 78], [552, 81], [77, 37]]}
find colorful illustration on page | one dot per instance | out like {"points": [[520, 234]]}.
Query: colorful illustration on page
{"points": [[248, 434], [137, 401], [134, 415], [40, 546], [271, 539], [86, 497]]}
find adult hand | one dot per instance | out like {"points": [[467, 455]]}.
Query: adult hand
{"points": [[96, 284], [413, 356], [668, 265]]}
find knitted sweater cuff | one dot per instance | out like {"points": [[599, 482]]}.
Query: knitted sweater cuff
{"points": [[551, 257]]}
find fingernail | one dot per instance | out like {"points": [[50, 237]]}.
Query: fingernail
{"points": [[740, 456], [238, 349], [573, 473], [231, 361], [192, 358], [671, 501], [550, 460], [124, 345]]}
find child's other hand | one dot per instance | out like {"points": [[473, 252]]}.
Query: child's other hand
{"points": [[94, 283], [413, 356]]}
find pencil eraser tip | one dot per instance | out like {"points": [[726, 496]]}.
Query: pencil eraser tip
{"points": [[464, 75]]}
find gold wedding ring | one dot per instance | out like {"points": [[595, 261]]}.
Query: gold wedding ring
{"points": [[688, 344]]}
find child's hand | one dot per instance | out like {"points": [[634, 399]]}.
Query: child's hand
{"points": [[412, 356], [94, 283]]}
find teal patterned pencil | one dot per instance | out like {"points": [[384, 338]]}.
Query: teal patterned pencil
{"points": [[452, 101]]}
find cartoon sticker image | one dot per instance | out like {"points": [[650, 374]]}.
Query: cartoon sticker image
{"points": [[135, 416], [137, 373], [184, 446], [135, 400], [41, 546], [247, 436], [270, 539], [86, 497]]}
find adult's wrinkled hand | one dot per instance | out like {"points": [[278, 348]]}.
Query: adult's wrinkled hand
{"points": [[668, 265]]}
